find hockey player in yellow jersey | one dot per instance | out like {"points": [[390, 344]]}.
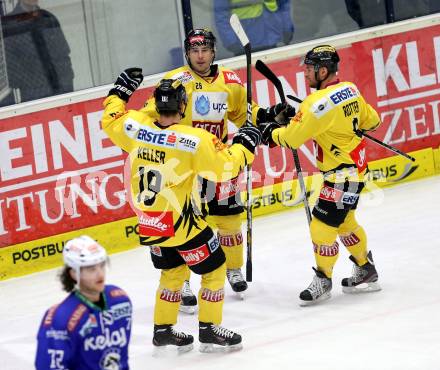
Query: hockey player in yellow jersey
{"points": [[335, 115], [165, 160], [216, 95]]}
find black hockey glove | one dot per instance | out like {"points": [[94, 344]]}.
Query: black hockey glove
{"points": [[266, 129], [281, 113], [249, 137], [127, 83]]}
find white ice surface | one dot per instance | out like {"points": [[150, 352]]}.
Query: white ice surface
{"points": [[397, 328]]}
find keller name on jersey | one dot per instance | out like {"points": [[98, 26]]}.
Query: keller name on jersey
{"points": [[209, 106], [162, 138], [152, 155]]}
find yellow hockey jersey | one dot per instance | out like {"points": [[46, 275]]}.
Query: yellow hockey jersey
{"points": [[164, 165], [212, 101], [330, 116]]}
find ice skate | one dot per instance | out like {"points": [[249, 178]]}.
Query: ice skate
{"points": [[237, 281], [319, 290], [214, 338], [166, 341], [188, 304], [364, 278]]}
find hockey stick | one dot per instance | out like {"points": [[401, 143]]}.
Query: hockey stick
{"points": [[267, 72], [372, 138], [239, 31]]}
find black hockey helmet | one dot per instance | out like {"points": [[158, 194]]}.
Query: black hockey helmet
{"points": [[169, 96], [200, 36], [323, 56]]}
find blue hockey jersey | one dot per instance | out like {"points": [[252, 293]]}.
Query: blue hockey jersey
{"points": [[77, 334]]}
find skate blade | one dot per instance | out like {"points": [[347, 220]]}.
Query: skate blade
{"points": [[362, 288], [171, 351], [215, 348], [190, 310], [324, 297], [240, 295]]}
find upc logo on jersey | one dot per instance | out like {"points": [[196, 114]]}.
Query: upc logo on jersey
{"points": [[231, 78], [209, 106], [202, 105], [196, 255], [156, 224], [164, 98], [343, 93]]}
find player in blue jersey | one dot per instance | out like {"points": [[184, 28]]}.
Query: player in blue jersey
{"points": [[91, 328]]}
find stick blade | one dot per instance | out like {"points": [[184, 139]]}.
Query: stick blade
{"points": [[238, 29], [261, 67]]}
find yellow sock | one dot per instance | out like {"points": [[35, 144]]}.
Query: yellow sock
{"points": [[168, 295], [353, 236], [211, 296], [230, 238], [325, 246]]}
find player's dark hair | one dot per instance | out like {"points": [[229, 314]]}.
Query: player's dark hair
{"points": [[67, 281]]}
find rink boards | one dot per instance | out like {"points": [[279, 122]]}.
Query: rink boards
{"points": [[60, 176], [117, 236]]}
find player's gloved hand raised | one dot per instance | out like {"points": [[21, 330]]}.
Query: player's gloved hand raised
{"points": [[281, 113], [266, 129], [127, 83], [249, 137]]}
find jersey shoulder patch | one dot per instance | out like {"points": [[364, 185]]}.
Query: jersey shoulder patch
{"points": [[76, 316], [48, 319], [116, 292], [321, 107], [183, 76]]}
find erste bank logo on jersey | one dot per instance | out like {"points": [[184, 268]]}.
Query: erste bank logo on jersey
{"points": [[209, 106], [162, 138], [343, 93]]}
